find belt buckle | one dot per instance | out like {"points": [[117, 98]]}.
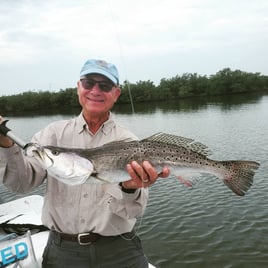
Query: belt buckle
{"points": [[79, 236]]}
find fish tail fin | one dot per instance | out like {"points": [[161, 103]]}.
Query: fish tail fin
{"points": [[239, 176]]}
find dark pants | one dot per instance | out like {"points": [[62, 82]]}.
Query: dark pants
{"points": [[123, 251]]}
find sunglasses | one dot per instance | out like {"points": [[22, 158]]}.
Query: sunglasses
{"points": [[89, 83]]}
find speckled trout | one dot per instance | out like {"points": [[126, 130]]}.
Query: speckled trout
{"points": [[107, 163]]}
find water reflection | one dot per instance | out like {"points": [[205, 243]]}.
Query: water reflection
{"points": [[226, 102], [190, 104]]}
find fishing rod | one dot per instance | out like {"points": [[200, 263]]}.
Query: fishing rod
{"points": [[4, 130], [117, 37]]}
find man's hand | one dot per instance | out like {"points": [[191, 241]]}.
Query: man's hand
{"points": [[143, 175]]}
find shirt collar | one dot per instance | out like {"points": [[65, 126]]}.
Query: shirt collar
{"points": [[108, 125], [81, 124]]}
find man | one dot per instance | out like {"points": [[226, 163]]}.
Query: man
{"points": [[91, 225]]}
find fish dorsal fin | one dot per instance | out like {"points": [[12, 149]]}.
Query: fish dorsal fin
{"points": [[180, 141]]}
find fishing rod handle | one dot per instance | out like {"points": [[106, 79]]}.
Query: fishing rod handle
{"points": [[3, 128], [7, 132]]}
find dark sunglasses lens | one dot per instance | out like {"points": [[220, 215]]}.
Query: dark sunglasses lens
{"points": [[106, 87], [89, 84]]}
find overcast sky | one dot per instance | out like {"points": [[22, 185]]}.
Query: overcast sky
{"points": [[44, 43]]}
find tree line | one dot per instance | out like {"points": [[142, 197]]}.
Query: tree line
{"points": [[223, 82]]}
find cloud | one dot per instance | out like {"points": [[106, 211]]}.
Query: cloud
{"points": [[48, 41]]}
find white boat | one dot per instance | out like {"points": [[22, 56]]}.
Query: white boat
{"points": [[16, 216], [25, 250]]}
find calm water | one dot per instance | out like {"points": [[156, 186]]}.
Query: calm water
{"points": [[207, 226]]}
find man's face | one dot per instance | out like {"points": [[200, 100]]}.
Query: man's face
{"points": [[97, 94]]}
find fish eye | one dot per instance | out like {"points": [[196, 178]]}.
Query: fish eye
{"points": [[55, 152]]}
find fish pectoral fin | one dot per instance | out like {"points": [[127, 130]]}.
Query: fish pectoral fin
{"points": [[96, 180], [102, 179], [111, 176]]}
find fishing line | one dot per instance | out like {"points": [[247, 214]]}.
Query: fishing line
{"points": [[116, 34]]}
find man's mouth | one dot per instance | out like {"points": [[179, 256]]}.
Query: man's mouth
{"points": [[94, 100]]}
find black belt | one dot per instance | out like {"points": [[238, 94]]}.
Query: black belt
{"points": [[82, 239]]}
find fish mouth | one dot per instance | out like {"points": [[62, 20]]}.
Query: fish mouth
{"points": [[41, 155], [33, 149]]}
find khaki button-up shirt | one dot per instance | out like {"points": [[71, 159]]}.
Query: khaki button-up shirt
{"points": [[99, 208]]}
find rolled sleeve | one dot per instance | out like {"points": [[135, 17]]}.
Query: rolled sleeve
{"points": [[19, 173]]}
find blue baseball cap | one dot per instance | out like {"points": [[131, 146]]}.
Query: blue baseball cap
{"points": [[100, 67]]}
